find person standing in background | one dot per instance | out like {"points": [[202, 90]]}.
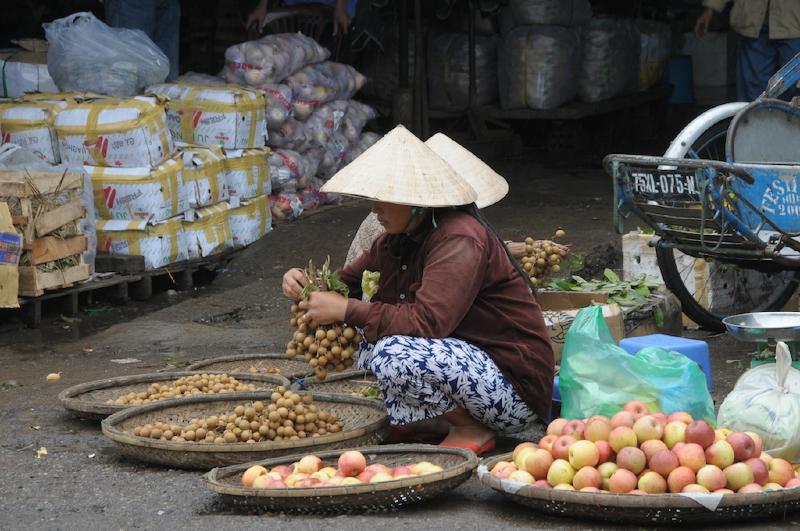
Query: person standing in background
{"points": [[343, 13], [159, 19], [769, 36]]}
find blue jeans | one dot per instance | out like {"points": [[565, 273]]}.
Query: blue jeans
{"points": [[758, 59], [159, 19]]}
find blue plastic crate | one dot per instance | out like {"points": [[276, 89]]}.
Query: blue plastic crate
{"points": [[694, 349]]}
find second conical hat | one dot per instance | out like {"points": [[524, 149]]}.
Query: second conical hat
{"points": [[399, 168], [489, 185]]}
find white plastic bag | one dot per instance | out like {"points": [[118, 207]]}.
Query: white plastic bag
{"points": [[448, 70], [766, 400], [320, 83], [271, 59], [610, 62], [87, 55]]}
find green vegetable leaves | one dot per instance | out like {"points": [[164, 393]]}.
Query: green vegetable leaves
{"points": [[626, 293], [322, 280]]}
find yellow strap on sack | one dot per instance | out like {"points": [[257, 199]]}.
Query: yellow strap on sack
{"points": [[96, 145], [146, 111], [187, 115]]}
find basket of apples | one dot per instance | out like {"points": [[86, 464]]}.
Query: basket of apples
{"points": [[646, 468], [364, 480]]}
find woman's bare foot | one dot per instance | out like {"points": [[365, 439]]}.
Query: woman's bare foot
{"points": [[465, 430]]}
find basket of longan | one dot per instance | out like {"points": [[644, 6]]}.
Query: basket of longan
{"points": [[262, 363], [101, 398], [354, 383], [205, 431], [363, 480]]}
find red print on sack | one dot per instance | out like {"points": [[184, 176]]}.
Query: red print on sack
{"points": [[196, 118], [100, 144], [108, 245], [110, 194], [6, 138]]}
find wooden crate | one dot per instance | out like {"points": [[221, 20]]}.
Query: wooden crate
{"points": [[33, 282]]}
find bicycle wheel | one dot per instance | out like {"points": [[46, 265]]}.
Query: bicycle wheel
{"points": [[710, 290]]}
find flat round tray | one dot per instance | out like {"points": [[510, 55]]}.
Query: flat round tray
{"points": [[88, 400], [457, 463], [651, 509], [345, 382], [365, 423], [268, 362], [763, 326]]}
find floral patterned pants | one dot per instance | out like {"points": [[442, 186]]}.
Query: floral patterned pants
{"points": [[423, 378]]}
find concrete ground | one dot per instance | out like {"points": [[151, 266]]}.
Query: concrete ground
{"points": [[84, 483]]}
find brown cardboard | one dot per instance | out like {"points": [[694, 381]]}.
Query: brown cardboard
{"points": [[560, 308]]}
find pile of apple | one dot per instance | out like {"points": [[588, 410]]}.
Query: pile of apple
{"points": [[311, 472], [638, 452]]}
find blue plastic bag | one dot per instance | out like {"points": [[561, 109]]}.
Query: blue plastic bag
{"points": [[598, 378]]}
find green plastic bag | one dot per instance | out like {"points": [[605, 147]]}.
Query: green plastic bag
{"points": [[597, 377]]}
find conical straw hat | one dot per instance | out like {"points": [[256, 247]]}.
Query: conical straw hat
{"points": [[490, 186], [399, 168]]}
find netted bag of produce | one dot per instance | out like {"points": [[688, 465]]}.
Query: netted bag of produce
{"points": [[324, 121], [204, 176], [610, 62], [140, 193], [333, 155], [766, 400], [320, 83], [597, 377], [285, 206], [250, 221], [227, 116], [271, 59], [555, 12], [209, 231], [290, 170], [291, 135], [448, 70], [356, 117], [199, 78], [87, 55], [365, 142], [538, 67], [247, 172], [111, 132], [31, 125], [278, 104], [161, 243]]}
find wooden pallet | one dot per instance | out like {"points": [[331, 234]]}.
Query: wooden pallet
{"points": [[67, 301]]}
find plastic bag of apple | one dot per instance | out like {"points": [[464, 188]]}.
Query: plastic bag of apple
{"points": [[636, 452], [352, 469]]}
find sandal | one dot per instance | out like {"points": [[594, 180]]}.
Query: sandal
{"points": [[488, 446], [403, 434]]}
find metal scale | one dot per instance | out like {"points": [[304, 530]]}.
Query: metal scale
{"points": [[766, 330]]}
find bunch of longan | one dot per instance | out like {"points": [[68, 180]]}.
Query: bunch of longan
{"points": [[543, 258], [185, 386], [288, 416], [325, 348]]}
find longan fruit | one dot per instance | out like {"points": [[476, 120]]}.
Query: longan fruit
{"points": [[263, 430], [239, 411], [168, 435], [320, 334], [229, 437], [245, 435], [145, 431], [201, 433], [331, 335], [349, 333]]}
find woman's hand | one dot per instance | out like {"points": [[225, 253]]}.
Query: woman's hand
{"points": [[293, 283], [257, 15], [341, 20], [703, 21], [324, 307]]}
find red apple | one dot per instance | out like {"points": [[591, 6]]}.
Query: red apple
{"points": [[648, 428], [743, 446], [652, 483], [309, 464], [637, 492], [583, 453], [621, 437], [724, 491], [700, 432], [760, 470], [738, 475], [606, 453], [680, 416], [352, 463], [521, 446], [678, 445], [651, 447], [538, 463], [574, 428], [283, 470], [560, 472], [561, 446], [792, 483], [711, 477], [692, 455], [555, 427], [622, 481], [587, 476], [674, 433], [631, 458], [750, 487], [639, 409], [720, 454], [503, 469], [622, 418], [542, 484], [694, 487], [679, 478], [780, 471], [597, 429], [547, 441], [757, 441], [663, 462]]}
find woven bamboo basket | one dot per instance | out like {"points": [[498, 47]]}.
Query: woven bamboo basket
{"points": [[457, 463], [88, 400], [365, 423], [651, 509], [265, 363], [345, 382]]}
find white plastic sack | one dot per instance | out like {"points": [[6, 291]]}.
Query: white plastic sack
{"points": [[247, 172], [271, 59], [538, 67], [610, 62], [550, 12], [320, 83], [25, 70], [448, 70], [287, 168], [87, 55], [277, 104], [766, 400], [250, 221], [161, 243], [365, 142], [204, 176], [30, 125]]}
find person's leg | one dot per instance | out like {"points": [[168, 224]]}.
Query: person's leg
{"points": [[132, 14], [756, 61], [427, 378], [167, 33], [787, 49]]}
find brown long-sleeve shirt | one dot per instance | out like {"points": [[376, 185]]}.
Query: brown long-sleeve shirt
{"points": [[456, 281]]}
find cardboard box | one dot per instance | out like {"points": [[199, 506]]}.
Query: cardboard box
{"points": [[25, 69], [209, 231], [247, 172], [30, 125], [561, 307], [160, 243], [204, 176], [250, 221]]}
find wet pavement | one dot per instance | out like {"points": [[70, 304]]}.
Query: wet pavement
{"points": [[84, 483]]}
